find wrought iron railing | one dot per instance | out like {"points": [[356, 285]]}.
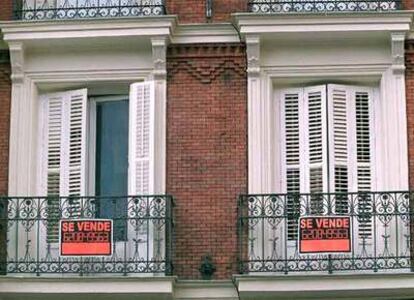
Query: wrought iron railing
{"points": [[281, 6], [84, 9], [142, 234], [381, 234]]}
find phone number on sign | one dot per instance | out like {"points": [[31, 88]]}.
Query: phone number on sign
{"points": [[86, 237], [324, 234]]}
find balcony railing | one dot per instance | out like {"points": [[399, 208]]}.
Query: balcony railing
{"points": [[85, 9], [306, 6], [142, 235], [381, 237]]}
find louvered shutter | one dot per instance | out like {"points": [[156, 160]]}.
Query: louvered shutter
{"points": [[53, 117], [361, 99], [339, 132], [76, 148], [314, 164], [291, 140], [64, 116], [350, 154], [141, 137]]}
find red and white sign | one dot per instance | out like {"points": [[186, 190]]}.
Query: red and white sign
{"points": [[324, 234], [86, 237]]}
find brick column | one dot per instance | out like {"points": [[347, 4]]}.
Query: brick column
{"points": [[6, 9], [5, 96], [194, 11], [206, 153], [409, 81], [408, 4]]}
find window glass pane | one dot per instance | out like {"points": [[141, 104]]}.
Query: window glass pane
{"points": [[111, 179]]}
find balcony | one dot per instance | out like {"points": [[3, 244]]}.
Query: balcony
{"points": [[141, 242], [322, 6], [380, 233], [33, 10]]}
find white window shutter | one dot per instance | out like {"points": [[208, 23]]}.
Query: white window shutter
{"points": [[65, 126], [75, 152], [315, 104], [64, 119], [314, 146], [362, 100], [291, 100], [340, 128], [54, 131], [141, 138]]}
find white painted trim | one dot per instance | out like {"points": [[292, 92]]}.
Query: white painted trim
{"points": [[86, 29], [205, 33], [151, 287], [391, 87], [249, 23], [202, 289], [349, 286]]}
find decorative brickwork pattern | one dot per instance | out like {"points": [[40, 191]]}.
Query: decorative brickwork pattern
{"points": [[194, 11], [206, 153]]}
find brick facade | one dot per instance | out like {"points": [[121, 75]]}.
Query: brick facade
{"points": [[409, 80], [194, 11], [5, 96], [409, 85], [408, 4], [6, 8], [206, 153]]}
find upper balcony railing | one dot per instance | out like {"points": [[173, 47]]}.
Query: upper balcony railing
{"points": [[32, 10], [141, 240], [381, 232], [308, 6]]}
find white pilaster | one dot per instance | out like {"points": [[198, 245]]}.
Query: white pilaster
{"points": [[255, 132], [394, 113], [159, 54], [17, 159]]}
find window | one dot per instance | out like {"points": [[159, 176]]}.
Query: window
{"points": [[326, 147], [96, 147]]}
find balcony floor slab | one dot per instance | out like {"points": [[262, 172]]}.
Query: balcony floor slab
{"points": [[336, 286]]}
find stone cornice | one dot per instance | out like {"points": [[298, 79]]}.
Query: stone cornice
{"points": [[93, 28], [346, 22]]}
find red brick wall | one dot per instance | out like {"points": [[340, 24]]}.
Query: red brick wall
{"points": [[408, 4], [206, 153], [194, 11], [6, 9], [409, 80], [5, 96]]}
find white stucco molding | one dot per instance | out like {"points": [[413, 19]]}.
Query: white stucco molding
{"points": [[205, 33], [346, 286], [16, 50], [253, 54], [141, 38], [205, 289], [90, 28], [145, 288], [322, 22], [159, 56], [397, 50]]}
